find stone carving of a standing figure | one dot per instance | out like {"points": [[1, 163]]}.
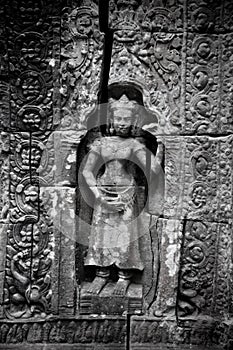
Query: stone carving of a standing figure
{"points": [[112, 171]]}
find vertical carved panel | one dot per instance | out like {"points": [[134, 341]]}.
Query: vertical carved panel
{"points": [[4, 176], [81, 54], [174, 198], [227, 15], [205, 269], [223, 280], [227, 81], [59, 204], [170, 235], [3, 242], [56, 172], [208, 178], [31, 59], [198, 268], [202, 84], [20, 290], [33, 48], [4, 73]]}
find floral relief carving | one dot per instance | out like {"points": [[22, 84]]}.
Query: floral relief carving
{"points": [[180, 55], [82, 46], [33, 60]]}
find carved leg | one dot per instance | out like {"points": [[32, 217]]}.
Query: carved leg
{"points": [[122, 283], [101, 279]]}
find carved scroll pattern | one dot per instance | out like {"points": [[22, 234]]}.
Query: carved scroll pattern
{"points": [[197, 271], [198, 178], [147, 49], [227, 82], [227, 15], [205, 267], [205, 17], [205, 270], [202, 85], [31, 28], [4, 174], [4, 74], [208, 178], [81, 55]]}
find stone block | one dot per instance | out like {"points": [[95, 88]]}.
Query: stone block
{"points": [[4, 176], [84, 333], [58, 158], [24, 190], [226, 122], [198, 181], [227, 15], [33, 64], [202, 98], [205, 17], [205, 280], [82, 52], [4, 95], [157, 70], [141, 15], [59, 205], [27, 270], [107, 304], [3, 248], [169, 253], [163, 334]]}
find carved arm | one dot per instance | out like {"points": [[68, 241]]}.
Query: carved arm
{"points": [[88, 173], [155, 160]]}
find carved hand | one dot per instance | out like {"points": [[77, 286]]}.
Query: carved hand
{"points": [[112, 205]]}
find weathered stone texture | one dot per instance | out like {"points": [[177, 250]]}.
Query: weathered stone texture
{"points": [[198, 178], [203, 333], [59, 203], [84, 333], [180, 53], [170, 238], [81, 55], [205, 269]]}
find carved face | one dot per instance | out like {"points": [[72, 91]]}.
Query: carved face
{"points": [[122, 119]]}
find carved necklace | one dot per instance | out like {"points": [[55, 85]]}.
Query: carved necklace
{"points": [[116, 145]]}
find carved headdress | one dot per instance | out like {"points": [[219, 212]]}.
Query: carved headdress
{"points": [[124, 103], [124, 96]]}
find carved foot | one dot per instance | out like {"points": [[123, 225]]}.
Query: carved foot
{"points": [[97, 285], [121, 287]]}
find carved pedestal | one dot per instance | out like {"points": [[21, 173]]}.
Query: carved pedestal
{"points": [[107, 304]]}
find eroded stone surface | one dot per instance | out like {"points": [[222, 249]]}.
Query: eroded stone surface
{"points": [[170, 237], [180, 55], [3, 241], [59, 203], [202, 333], [82, 50], [198, 178], [84, 333], [205, 269], [4, 176]]}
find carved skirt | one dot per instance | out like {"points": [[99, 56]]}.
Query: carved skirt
{"points": [[114, 237]]}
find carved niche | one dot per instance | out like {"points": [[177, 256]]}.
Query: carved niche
{"points": [[115, 271]]}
